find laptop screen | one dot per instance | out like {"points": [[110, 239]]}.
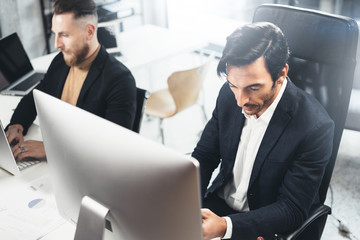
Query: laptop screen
{"points": [[14, 62]]}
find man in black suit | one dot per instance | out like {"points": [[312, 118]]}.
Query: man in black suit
{"points": [[82, 74], [272, 139]]}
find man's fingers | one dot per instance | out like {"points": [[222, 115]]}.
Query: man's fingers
{"points": [[14, 135], [206, 211], [20, 151], [17, 155], [10, 137]]}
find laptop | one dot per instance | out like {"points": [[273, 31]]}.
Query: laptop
{"points": [[7, 160], [17, 75]]}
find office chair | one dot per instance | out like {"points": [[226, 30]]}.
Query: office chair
{"points": [[322, 62], [141, 97], [353, 116], [183, 91]]}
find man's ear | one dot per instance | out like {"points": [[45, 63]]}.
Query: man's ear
{"points": [[283, 73], [90, 30]]}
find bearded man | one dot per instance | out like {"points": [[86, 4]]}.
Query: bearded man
{"points": [[82, 74], [271, 139]]}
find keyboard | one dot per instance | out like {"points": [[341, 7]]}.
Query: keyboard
{"points": [[27, 163], [29, 82]]}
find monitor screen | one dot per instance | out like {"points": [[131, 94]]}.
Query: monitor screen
{"points": [[147, 190], [14, 62]]}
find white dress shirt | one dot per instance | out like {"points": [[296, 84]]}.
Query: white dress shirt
{"points": [[235, 192]]}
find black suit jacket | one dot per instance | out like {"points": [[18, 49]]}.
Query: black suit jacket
{"points": [[108, 91], [288, 168]]}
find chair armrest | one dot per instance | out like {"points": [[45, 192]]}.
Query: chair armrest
{"points": [[319, 212]]}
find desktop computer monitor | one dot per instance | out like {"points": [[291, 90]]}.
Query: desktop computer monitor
{"points": [[102, 172]]}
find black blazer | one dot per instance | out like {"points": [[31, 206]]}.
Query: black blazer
{"points": [[109, 91], [288, 168]]}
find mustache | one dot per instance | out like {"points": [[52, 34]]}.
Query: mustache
{"points": [[250, 105]]}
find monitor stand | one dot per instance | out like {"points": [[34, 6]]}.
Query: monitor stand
{"points": [[91, 221]]}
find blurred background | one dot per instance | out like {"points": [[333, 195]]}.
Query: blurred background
{"points": [[212, 20]]}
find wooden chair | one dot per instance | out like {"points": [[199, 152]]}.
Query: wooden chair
{"points": [[183, 91]]}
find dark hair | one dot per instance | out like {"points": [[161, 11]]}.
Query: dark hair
{"points": [[251, 41], [80, 8]]}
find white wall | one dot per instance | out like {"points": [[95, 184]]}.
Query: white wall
{"points": [[24, 17], [31, 27], [9, 17], [155, 12]]}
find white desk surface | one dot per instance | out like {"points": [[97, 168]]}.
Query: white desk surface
{"points": [[142, 46], [7, 104], [10, 183], [151, 44]]}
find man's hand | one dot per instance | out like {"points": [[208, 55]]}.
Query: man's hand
{"points": [[29, 149], [213, 226], [14, 134]]}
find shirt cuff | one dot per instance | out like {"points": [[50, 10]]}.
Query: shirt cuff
{"points": [[229, 228]]}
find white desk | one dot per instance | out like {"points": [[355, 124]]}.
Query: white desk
{"points": [[7, 104], [9, 184], [140, 47]]}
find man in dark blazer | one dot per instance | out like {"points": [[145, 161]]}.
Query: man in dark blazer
{"points": [[272, 139], [82, 74]]}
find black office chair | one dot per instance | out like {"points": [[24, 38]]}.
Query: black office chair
{"points": [[141, 97], [322, 62]]}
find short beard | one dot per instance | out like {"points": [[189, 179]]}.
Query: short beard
{"points": [[266, 102], [78, 56]]}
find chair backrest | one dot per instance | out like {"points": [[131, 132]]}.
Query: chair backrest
{"points": [[322, 61], [185, 86], [141, 96]]}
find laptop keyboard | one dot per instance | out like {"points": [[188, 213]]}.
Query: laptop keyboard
{"points": [[29, 82], [27, 163]]}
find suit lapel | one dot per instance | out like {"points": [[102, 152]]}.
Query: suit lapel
{"points": [[275, 129], [94, 72], [62, 72], [237, 126]]}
